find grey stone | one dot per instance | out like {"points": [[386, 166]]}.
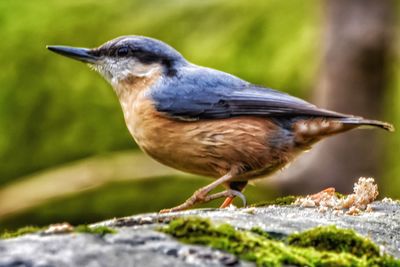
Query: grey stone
{"points": [[137, 243]]}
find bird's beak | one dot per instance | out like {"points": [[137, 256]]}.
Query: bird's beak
{"points": [[81, 54]]}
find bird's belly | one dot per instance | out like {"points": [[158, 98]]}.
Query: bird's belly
{"points": [[209, 147]]}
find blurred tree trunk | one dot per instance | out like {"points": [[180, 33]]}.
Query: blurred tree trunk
{"points": [[358, 34]]}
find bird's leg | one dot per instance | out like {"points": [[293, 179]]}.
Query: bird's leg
{"points": [[227, 202], [200, 196], [237, 186], [229, 194]]}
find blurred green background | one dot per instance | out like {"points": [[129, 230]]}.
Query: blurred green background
{"points": [[60, 123]]}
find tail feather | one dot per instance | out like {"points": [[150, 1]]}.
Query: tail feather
{"points": [[308, 131], [359, 122]]}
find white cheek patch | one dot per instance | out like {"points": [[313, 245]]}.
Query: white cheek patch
{"points": [[115, 71]]}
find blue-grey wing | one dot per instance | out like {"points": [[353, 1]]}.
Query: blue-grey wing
{"points": [[215, 95]]}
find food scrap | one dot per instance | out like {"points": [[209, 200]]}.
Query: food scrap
{"points": [[59, 228], [365, 192]]}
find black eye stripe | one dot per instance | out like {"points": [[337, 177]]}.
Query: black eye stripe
{"points": [[141, 55], [145, 57], [123, 51]]}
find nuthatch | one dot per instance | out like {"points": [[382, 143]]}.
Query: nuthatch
{"points": [[207, 122]]}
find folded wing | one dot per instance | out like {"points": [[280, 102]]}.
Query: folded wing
{"points": [[224, 96]]}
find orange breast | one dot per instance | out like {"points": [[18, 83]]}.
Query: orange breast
{"points": [[207, 147], [257, 146]]}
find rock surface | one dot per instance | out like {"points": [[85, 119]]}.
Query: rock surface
{"points": [[137, 243]]}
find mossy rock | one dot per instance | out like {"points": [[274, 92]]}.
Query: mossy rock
{"points": [[334, 246], [21, 231], [287, 200], [96, 230], [331, 238]]}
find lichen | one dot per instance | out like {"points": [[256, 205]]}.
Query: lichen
{"points": [[280, 201], [97, 230], [261, 248], [19, 232]]}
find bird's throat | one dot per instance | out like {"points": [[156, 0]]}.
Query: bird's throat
{"points": [[131, 85]]}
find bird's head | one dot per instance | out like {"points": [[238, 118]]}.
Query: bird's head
{"points": [[127, 56]]}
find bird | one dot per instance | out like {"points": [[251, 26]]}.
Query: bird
{"points": [[208, 122]]}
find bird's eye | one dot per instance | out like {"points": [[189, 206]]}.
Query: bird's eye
{"points": [[122, 51]]}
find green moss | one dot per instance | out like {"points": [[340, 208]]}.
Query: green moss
{"points": [[261, 232], [288, 200], [98, 230], [22, 231], [331, 238], [258, 247]]}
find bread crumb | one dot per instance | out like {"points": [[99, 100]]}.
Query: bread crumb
{"points": [[59, 228], [323, 209], [231, 207], [365, 192], [337, 212], [369, 208], [306, 202], [353, 211]]}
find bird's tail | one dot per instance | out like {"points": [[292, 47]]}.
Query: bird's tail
{"points": [[309, 131], [361, 122]]}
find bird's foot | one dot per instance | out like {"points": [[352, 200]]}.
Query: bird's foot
{"points": [[227, 202], [230, 195], [199, 197]]}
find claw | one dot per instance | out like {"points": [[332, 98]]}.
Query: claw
{"points": [[236, 193]]}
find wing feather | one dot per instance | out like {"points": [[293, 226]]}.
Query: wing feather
{"points": [[208, 94]]}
